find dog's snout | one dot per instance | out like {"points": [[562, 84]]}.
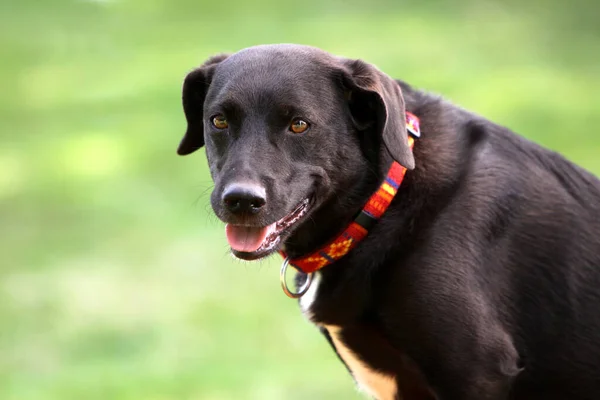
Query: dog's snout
{"points": [[244, 198]]}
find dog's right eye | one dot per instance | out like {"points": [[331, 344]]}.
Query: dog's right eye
{"points": [[219, 122], [298, 126]]}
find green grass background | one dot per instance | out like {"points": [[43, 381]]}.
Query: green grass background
{"points": [[115, 279]]}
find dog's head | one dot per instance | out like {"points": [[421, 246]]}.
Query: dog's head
{"points": [[290, 132]]}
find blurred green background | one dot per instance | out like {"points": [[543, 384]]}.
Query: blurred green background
{"points": [[115, 280]]}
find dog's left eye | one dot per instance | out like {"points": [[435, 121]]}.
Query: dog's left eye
{"points": [[298, 126]]}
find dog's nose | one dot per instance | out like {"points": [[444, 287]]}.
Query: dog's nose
{"points": [[244, 198]]}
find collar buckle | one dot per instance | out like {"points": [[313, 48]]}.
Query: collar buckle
{"points": [[412, 125]]}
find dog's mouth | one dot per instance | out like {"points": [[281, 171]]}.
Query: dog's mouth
{"points": [[252, 243]]}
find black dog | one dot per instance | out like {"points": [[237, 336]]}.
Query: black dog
{"points": [[481, 280]]}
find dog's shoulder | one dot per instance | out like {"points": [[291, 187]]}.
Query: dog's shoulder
{"points": [[495, 181]]}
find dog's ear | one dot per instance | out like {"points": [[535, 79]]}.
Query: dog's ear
{"points": [[194, 90], [376, 102]]}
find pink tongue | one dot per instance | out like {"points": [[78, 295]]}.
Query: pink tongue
{"points": [[245, 238]]}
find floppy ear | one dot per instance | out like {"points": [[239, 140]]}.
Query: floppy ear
{"points": [[194, 90], [376, 102]]}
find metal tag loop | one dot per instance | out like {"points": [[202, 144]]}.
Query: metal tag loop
{"points": [[284, 286]]}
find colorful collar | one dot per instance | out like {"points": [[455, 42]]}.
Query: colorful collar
{"points": [[359, 228]]}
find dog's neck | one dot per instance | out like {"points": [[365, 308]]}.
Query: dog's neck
{"points": [[359, 228], [434, 154]]}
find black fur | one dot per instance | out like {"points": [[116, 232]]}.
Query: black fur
{"points": [[482, 279]]}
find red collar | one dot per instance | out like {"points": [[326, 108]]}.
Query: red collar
{"points": [[371, 212]]}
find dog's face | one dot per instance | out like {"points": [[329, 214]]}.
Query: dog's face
{"points": [[286, 127]]}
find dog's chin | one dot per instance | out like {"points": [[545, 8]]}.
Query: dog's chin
{"points": [[278, 232]]}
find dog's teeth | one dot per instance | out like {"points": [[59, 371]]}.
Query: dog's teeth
{"points": [[273, 237]]}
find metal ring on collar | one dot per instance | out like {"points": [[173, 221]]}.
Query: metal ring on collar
{"points": [[284, 286]]}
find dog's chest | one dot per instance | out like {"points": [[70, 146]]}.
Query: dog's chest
{"points": [[381, 386]]}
